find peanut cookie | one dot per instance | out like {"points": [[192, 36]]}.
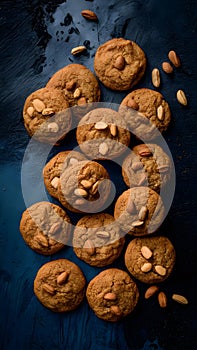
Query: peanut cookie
{"points": [[148, 162], [56, 165], [153, 112], [139, 211], [102, 133], [119, 64], [46, 115], [150, 260], [45, 227], [78, 84], [112, 294], [84, 187], [97, 239], [60, 285]]}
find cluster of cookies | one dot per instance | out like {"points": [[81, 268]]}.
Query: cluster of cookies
{"points": [[83, 185]]}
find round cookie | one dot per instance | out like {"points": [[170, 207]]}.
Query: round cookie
{"points": [[60, 285], [78, 83], [150, 260], [139, 211], [148, 162], [97, 239], [102, 133], [119, 64], [46, 115], [84, 187], [112, 294], [45, 227], [153, 113], [56, 165]]}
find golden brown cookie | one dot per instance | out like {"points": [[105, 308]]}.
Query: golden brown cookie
{"points": [[147, 162], [97, 239], [102, 133], [56, 165], [78, 84], [150, 260], [60, 285], [139, 211], [45, 227], [84, 187], [153, 112], [112, 294], [119, 64], [46, 115]]}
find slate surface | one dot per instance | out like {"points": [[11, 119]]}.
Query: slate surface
{"points": [[36, 39]]}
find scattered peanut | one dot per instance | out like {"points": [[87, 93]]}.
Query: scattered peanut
{"points": [[162, 299], [151, 291], [173, 57], [181, 97], [167, 68]]}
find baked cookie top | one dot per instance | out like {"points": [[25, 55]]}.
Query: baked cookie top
{"points": [[147, 164], [149, 104], [112, 294], [78, 84], [84, 187], [56, 165], [45, 227], [97, 239], [102, 133], [139, 211], [60, 285], [150, 260], [119, 64], [46, 115]]}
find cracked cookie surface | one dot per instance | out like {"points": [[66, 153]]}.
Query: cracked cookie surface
{"points": [[56, 165], [84, 187], [112, 294], [148, 162], [102, 133], [97, 239], [148, 112], [139, 211], [155, 267], [46, 115], [60, 285], [78, 84], [119, 64], [45, 228]]}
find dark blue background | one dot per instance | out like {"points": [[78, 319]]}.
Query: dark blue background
{"points": [[36, 39]]}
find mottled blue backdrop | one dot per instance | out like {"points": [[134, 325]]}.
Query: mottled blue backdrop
{"points": [[36, 38]]}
